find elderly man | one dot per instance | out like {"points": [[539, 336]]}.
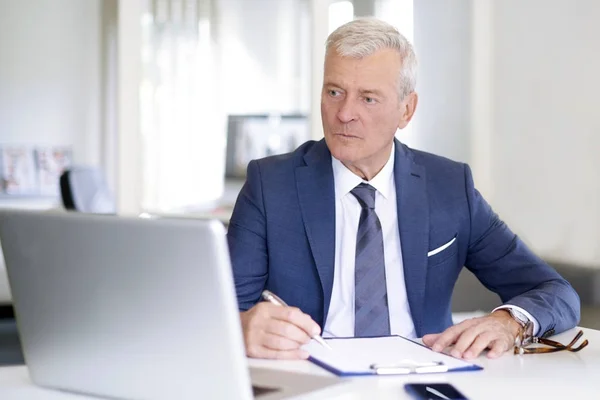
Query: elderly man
{"points": [[362, 236]]}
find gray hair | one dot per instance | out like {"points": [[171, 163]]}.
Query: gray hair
{"points": [[364, 36]]}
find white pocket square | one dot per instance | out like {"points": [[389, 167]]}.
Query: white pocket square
{"points": [[441, 248]]}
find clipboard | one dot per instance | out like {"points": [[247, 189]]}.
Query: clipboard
{"points": [[385, 355]]}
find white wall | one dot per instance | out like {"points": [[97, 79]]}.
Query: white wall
{"points": [[50, 74], [49, 82], [129, 160], [511, 87], [442, 34], [545, 126], [264, 55]]}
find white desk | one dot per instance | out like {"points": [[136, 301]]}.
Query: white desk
{"points": [[560, 375]]}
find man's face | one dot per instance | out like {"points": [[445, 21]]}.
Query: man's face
{"points": [[360, 107]]}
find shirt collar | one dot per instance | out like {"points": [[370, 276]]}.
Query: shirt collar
{"points": [[345, 180]]}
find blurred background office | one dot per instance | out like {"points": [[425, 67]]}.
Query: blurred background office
{"points": [[169, 99]]}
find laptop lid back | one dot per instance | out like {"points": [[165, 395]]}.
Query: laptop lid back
{"points": [[124, 307]]}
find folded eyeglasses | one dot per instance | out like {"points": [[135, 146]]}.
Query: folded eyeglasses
{"points": [[525, 339]]}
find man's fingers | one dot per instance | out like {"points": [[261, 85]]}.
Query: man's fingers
{"points": [[276, 342], [294, 316], [276, 332], [499, 347], [466, 339], [482, 341], [287, 330], [297, 354], [430, 339], [264, 352], [471, 337], [449, 336]]}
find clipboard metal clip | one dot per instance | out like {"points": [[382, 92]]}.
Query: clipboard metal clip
{"points": [[406, 367]]}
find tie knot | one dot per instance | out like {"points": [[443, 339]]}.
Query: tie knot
{"points": [[365, 194]]}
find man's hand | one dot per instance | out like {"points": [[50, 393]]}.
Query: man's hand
{"points": [[496, 331], [272, 331]]}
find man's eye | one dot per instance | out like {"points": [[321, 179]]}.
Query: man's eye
{"points": [[334, 93], [370, 100]]}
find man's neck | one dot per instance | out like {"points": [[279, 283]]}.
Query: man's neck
{"points": [[368, 169]]}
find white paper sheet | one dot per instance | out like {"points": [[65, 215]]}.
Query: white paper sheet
{"points": [[356, 355]]}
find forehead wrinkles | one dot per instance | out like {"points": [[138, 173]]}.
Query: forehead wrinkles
{"points": [[376, 72]]}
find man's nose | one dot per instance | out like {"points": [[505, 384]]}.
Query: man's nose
{"points": [[347, 111]]}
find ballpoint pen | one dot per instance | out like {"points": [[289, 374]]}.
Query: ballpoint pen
{"points": [[274, 299]]}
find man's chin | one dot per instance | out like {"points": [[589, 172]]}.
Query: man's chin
{"points": [[344, 154]]}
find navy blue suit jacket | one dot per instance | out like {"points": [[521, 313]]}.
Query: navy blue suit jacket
{"points": [[282, 238]]}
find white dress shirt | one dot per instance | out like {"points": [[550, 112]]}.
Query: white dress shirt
{"points": [[340, 318]]}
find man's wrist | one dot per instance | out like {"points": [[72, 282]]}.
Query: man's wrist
{"points": [[514, 325]]}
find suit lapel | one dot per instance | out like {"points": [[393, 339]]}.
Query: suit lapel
{"points": [[413, 223], [316, 194]]}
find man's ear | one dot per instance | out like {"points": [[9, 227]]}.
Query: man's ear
{"points": [[408, 106]]}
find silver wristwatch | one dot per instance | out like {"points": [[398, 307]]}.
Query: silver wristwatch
{"points": [[518, 316]]}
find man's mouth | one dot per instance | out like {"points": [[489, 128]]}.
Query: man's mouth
{"points": [[346, 135]]}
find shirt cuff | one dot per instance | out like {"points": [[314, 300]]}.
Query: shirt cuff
{"points": [[536, 325]]}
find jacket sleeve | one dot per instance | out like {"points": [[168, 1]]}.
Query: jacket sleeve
{"points": [[506, 266], [246, 236]]}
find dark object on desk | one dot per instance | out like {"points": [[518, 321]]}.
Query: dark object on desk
{"points": [[263, 390], [84, 189], [6, 312], [10, 345], [433, 391]]}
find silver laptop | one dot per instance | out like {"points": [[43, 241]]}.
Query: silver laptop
{"points": [[131, 308]]}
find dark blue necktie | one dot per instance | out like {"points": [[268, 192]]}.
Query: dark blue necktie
{"points": [[370, 295]]}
